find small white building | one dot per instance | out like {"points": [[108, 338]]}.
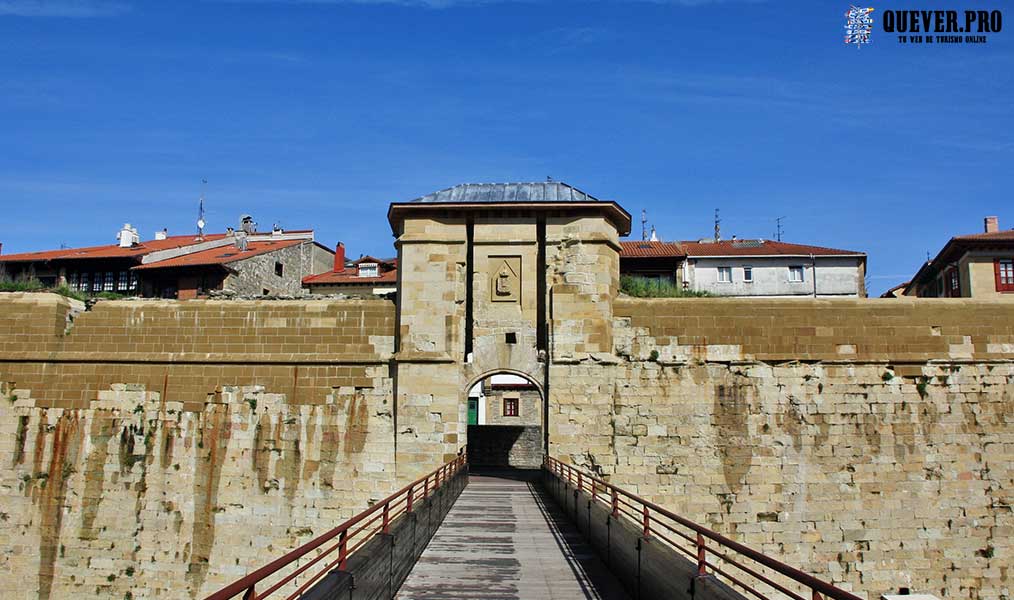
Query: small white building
{"points": [[773, 269]]}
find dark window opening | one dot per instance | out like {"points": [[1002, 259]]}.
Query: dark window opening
{"points": [[265, 292], [510, 407], [278, 268], [511, 338], [1004, 271]]}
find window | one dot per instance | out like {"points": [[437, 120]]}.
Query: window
{"points": [[121, 284], [510, 407], [748, 274], [796, 274], [724, 274], [367, 269], [84, 284], [1004, 269], [110, 281], [953, 284], [72, 281], [278, 268], [132, 279]]}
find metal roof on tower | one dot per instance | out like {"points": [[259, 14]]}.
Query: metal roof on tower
{"points": [[543, 191]]}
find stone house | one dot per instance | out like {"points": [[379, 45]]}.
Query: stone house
{"points": [[979, 265], [505, 399], [749, 268], [184, 266], [367, 276]]}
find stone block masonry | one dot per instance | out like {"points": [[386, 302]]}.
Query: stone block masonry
{"points": [[163, 449], [887, 466]]}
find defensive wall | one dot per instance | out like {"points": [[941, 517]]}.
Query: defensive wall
{"points": [[161, 449], [867, 441]]}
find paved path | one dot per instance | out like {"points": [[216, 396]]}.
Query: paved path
{"points": [[505, 539]]}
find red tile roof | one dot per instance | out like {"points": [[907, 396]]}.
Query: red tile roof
{"points": [[221, 255], [761, 248], [998, 236], [349, 275], [641, 249], [957, 246], [108, 251]]}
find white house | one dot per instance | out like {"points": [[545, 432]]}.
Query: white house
{"points": [[773, 269]]}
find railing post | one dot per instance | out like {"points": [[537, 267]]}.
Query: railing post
{"points": [[343, 550], [580, 481], [251, 593], [702, 561], [387, 517], [408, 501], [426, 487], [646, 521], [616, 504]]}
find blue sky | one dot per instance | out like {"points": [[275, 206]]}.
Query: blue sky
{"points": [[320, 113]]}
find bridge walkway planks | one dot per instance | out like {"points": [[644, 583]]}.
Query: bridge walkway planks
{"points": [[506, 539]]}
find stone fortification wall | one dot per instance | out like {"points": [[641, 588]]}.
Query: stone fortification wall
{"points": [[868, 442], [163, 449]]}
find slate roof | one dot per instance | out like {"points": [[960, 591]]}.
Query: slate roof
{"points": [[220, 256], [543, 191]]}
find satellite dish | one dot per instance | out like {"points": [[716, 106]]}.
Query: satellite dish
{"points": [[200, 223]]}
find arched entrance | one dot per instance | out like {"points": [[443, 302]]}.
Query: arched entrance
{"points": [[505, 419]]}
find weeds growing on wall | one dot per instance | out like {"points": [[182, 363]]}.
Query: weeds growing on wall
{"points": [[644, 287], [32, 284], [20, 284]]}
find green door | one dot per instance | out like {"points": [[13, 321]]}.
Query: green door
{"points": [[473, 411]]}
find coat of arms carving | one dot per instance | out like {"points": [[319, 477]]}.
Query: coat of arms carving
{"points": [[505, 279]]}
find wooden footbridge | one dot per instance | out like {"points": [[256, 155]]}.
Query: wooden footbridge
{"points": [[558, 534]]}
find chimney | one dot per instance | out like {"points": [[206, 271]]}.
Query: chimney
{"points": [[161, 235], [992, 224], [339, 258], [127, 236], [246, 223]]}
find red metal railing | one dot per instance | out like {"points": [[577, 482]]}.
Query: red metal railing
{"points": [[347, 538], [711, 551]]}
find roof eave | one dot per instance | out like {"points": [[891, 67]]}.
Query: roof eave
{"points": [[862, 255], [616, 213]]}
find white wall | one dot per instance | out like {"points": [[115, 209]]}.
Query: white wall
{"points": [[836, 276]]}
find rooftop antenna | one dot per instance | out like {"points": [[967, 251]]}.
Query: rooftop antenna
{"points": [[200, 213], [778, 228], [644, 225], [718, 229]]}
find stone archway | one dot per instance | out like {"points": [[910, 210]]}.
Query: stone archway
{"points": [[504, 415]]}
